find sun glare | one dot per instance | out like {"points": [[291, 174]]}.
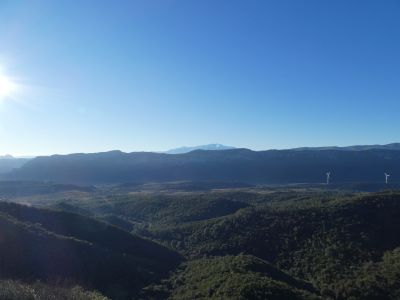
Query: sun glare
{"points": [[7, 86]]}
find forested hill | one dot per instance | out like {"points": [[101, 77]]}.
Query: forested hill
{"points": [[236, 165], [51, 246]]}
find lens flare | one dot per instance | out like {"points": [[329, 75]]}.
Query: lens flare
{"points": [[7, 86]]}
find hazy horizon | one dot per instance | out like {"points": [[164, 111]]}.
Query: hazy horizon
{"points": [[189, 146]]}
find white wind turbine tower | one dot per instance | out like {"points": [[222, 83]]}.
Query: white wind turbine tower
{"points": [[387, 177], [328, 177]]}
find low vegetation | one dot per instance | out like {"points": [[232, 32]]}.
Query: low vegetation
{"points": [[14, 290], [242, 243], [236, 277]]}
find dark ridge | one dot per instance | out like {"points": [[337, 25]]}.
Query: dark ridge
{"points": [[38, 244], [236, 165]]}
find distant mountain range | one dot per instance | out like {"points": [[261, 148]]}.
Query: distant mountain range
{"points": [[210, 147], [393, 146], [307, 165]]}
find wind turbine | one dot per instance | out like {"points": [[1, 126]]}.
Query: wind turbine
{"points": [[328, 176], [387, 177]]}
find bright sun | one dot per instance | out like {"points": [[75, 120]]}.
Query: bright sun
{"points": [[7, 86]]}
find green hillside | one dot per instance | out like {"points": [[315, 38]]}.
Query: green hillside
{"points": [[287, 242], [45, 245], [327, 244], [237, 277]]}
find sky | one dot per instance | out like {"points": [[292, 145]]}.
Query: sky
{"points": [[90, 76]]}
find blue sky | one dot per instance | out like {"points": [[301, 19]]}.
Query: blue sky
{"points": [[153, 75]]}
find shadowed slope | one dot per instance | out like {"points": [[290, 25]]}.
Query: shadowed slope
{"points": [[41, 244]]}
